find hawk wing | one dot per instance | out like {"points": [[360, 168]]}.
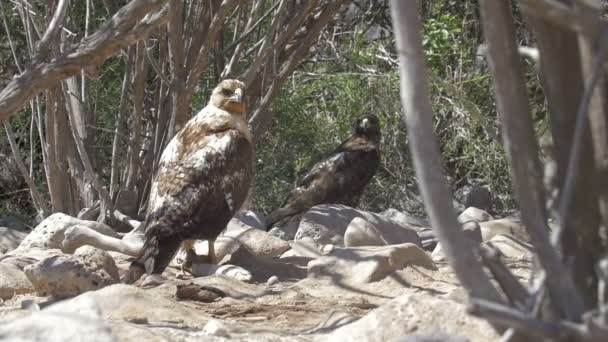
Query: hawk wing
{"points": [[199, 168]]}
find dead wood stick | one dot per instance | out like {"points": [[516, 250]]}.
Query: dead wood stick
{"points": [[560, 14], [425, 151], [125, 28], [522, 150], [521, 321]]}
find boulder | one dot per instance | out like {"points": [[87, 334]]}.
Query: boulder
{"points": [[367, 264], [262, 267], [10, 239], [59, 322], [286, 231], [404, 219], [204, 270], [327, 223], [258, 241], [492, 228], [415, 313], [301, 252], [49, 234], [512, 248], [29, 257], [251, 219], [13, 281], [69, 275], [474, 214], [361, 232]]}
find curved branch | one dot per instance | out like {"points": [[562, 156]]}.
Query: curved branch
{"points": [[125, 28]]}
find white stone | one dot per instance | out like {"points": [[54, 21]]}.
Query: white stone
{"points": [[327, 223], [361, 232], [13, 281], [69, 275], [10, 239], [474, 214], [511, 247], [414, 313], [492, 228], [368, 264]]}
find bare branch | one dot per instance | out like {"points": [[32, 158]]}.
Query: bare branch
{"points": [[522, 150], [125, 28], [37, 198], [52, 31], [425, 152]]}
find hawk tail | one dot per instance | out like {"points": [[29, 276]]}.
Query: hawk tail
{"points": [[156, 255]]}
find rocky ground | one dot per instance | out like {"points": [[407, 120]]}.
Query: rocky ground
{"points": [[335, 274]]}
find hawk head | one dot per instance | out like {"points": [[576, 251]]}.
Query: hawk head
{"points": [[368, 125], [229, 95]]}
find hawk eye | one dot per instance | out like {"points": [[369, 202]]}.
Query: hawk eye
{"points": [[227, 92]]}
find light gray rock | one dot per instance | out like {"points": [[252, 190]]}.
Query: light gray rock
{"points": [[361, 232], [251, 219], [327, 223], [286, 231], [203, 270], [433, 336], [263, 268], [59, 322], [29, 257], [258, 241], [414, 312], [474, 214], [10, 239], [492, 228], [301, 252], [404, 219], [49, 234], [13, 281], [512, 248], [368, 264], [69, 275]]}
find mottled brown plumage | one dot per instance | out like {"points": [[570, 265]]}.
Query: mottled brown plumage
{"points": [[341, 177], [203, 178]]}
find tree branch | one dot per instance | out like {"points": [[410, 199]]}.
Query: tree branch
{"points": [[125, 28]]}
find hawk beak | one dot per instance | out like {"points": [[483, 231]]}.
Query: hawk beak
{"points": [[365, 123], [237, 97]]}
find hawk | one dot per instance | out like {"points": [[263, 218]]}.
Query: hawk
{"points": [[339, 178], [202, 180]]}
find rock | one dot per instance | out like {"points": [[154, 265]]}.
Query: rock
{"points": [[511, 247], [327, 224], [29, 257], [301, 252], [120, 302], [199, 293], [263, 268], [474, 214], [472, 230], [367, 264], [432, 336], [286, 231], [69, 275], [10, 239], [404, 219], [251, 219], [414, 312], [361, 232], [272, 281], [203, 270], [437, 255], [492, 228], [13, 281], [258, 241], [333, 321], [60, 322], [49, 233], [216, 328]]}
